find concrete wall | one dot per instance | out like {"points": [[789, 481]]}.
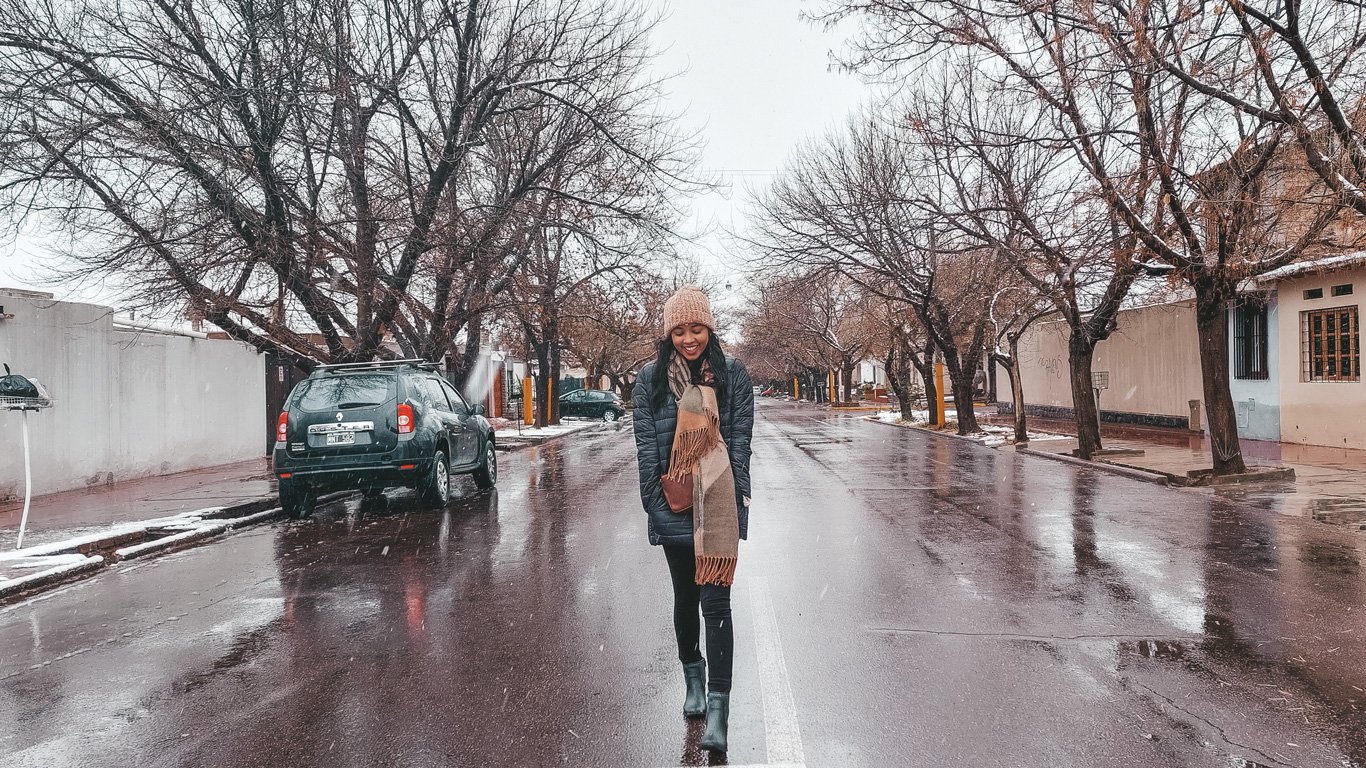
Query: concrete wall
{"points": [[127, 404], [1152, 359], [1318, 412], [1257, 401]]}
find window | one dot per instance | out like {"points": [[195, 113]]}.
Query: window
{"points": [[1342, 290], [1330, 345], [457, 402], [355, 391], [1313, 293], [435, 395], [1250, 341]]}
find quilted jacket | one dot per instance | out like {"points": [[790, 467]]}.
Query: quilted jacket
{"points": [[654, 441]]}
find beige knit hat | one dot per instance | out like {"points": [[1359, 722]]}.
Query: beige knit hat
{"points": [[688, 305]]}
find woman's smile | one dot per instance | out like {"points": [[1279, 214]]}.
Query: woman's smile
{"points": [[691, 340]]}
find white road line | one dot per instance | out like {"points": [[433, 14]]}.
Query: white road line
{"points": [[781, 733], [762, 765]]}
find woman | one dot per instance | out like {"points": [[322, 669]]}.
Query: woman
{"points": [[694, 413]]}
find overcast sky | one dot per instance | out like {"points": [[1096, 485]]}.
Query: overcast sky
{"points": [[754, 80]]}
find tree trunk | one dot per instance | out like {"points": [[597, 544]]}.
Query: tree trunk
{"points": [[960, 383], [469, 356], [1080, 352], [924, 365], [848, 373], [541, 402], [1211, 324], [1017, 389], [898, 378], [552, 335], [962, 393]]}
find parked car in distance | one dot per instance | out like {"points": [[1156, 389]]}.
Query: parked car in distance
{"points": [[377, 425], [592, 404]]}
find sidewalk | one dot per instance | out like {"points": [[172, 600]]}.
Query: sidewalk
{"points": [[59, 516], [1329, 484]]}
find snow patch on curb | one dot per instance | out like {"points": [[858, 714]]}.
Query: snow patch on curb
{"points": [[50, 576], [992, 435], [170, 542]]}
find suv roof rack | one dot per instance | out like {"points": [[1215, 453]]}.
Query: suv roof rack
{"points": [[372, 365]]}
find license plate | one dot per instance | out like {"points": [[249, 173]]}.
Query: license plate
{"points": [[341, 438]]}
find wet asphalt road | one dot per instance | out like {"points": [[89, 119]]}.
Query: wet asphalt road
{"points": [[904, 600]]}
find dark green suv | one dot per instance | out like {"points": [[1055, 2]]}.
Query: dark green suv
{"points": [[371, 426]]}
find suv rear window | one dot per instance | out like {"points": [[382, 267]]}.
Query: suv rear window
{"points": [[355, 391]]}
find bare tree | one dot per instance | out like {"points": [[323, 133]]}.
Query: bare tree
{"points": [[1190, 178], [1297, 64], [612, 327], [854, 204], [905, 348], [1014, 185], [336, 168]]}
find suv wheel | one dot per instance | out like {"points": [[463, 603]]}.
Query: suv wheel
{"points": [[609, 415], [297, 500], [436, 488], [486, 476]]}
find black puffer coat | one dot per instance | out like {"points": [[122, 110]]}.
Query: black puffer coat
{"points": [[655, 439]]}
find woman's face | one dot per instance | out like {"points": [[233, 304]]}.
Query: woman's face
{"points": [[690, 340]]}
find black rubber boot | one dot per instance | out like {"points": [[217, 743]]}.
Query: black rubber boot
{"points": [[695, 675], [718, 711]]}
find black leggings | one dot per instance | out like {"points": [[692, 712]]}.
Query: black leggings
{"points": [[715, 603]]}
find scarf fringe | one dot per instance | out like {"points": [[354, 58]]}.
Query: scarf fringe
{"points": [[718, 570], [687, 451], [690, 446]]}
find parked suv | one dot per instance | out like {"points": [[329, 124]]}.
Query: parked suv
{"points": [[371, 426], [593, 404]]}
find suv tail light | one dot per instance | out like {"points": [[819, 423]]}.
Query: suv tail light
{"points": [[405, 418], [282, 427]]}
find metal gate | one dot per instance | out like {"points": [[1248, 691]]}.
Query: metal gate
{"points": [[281, 376]]}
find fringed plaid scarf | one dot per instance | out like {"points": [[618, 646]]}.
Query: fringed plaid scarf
{"points": [[698, 449]]}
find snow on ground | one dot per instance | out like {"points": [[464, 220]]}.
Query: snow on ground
{"points": [[552, 430], [991, 435]]}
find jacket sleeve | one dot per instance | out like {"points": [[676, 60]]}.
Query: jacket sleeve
{"points": [[643, 420], [742, 427]]}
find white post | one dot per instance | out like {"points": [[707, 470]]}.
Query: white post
{"points": [[28, 484]]}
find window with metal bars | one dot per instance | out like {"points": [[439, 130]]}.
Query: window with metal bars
{"points": [[1330, 345], [1250, 341]]}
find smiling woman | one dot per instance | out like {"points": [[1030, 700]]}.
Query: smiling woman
{"points": [[694, 414]]}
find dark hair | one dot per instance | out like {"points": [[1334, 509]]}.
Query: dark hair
{"points": [[713, 354]]}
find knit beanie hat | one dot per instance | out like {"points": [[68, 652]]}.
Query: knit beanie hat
{"points": [[688, 305]]}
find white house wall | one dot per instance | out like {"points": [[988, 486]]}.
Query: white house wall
{"points": [[1322, 412], [1152, 360], [127, 404], [1257, 401]]}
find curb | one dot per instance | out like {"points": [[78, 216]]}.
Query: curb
{"points": [[168, 543], [52, 577], [1103, 466], [233, 518], [935, 432], [512, 442]]}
